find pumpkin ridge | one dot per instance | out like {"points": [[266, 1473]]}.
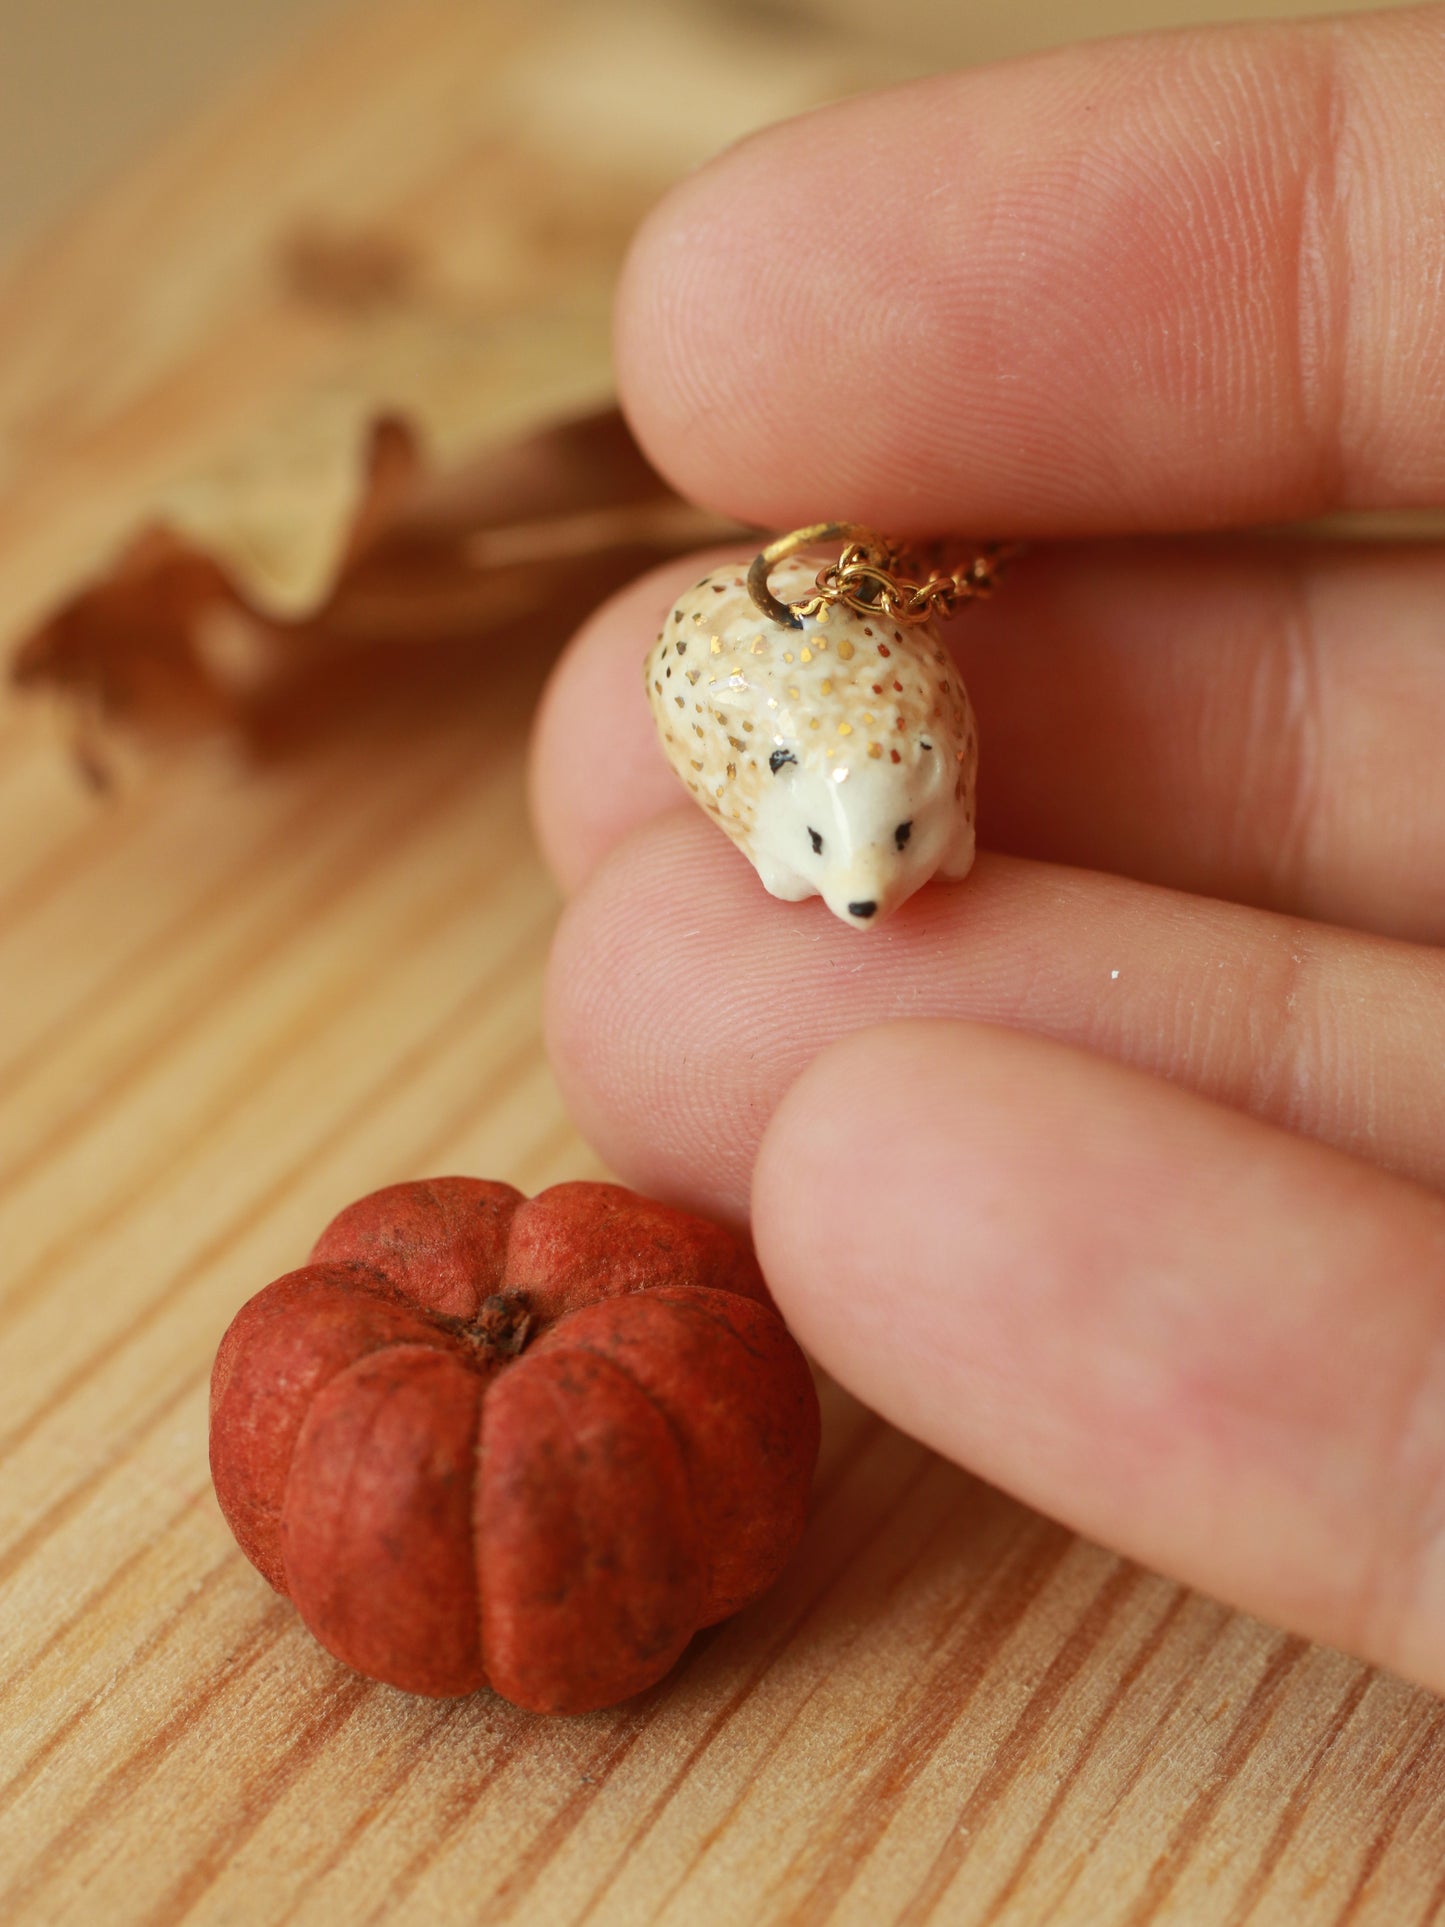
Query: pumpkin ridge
{"points": [[277, 1512], [295, 1444], [262, 1508], [347, 1501], [706, 1561], [362, 1273], [632, 1598], [726, 1481], [657, 1645], [695, 1297], [583, 1228], [565, 1344], [615, 1365], [437, 1241]]}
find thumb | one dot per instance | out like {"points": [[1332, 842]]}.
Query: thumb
{"points": [[1213, 1346]]}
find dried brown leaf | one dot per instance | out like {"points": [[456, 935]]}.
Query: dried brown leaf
{"points": [[172, 640]]}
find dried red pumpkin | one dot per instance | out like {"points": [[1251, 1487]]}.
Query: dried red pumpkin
{"points": [[531, 1443]]}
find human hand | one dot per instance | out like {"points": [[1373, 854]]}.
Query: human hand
{"points": [[1136, 1212]]}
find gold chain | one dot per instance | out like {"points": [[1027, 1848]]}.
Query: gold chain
{"points": [[869, 576]]}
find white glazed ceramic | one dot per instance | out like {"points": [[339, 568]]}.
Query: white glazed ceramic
{"points": [[841, 757]]}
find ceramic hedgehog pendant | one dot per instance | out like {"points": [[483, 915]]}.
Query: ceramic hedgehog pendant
{"points": [[839, 754]]}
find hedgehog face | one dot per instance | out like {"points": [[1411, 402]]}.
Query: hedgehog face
{"points": [[862, 835]]}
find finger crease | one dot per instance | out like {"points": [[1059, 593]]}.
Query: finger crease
{"points": [[1323, 272], [1290, 1076], [1288, 738]]}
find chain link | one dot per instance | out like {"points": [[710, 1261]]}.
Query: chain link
{"points": [[873, 576], [871, 579]]}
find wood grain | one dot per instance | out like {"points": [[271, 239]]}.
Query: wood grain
{"points": [[239, 994]]}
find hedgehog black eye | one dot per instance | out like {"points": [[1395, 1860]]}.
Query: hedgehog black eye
{"points": [[778, 758], [902, 834], [817, 842]]}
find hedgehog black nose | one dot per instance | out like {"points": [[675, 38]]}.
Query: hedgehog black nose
{"points": [[861, 909]]}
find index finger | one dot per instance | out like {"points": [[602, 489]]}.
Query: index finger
{"points": [[1172, 281]]}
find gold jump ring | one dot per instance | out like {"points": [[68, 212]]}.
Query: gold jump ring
{"points": [[788, 545]]}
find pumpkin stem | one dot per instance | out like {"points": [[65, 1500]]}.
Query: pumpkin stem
{"points": [[503, 1324]]}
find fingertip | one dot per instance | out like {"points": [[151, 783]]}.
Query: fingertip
{"points": [[866, 1169], [1087, 290], [720, 349], [1153, 1317]]}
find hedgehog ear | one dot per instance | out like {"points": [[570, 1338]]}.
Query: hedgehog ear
{"points": [[778, 758]]}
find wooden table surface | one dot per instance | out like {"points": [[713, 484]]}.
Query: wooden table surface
{"points": [[237, 994]]}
